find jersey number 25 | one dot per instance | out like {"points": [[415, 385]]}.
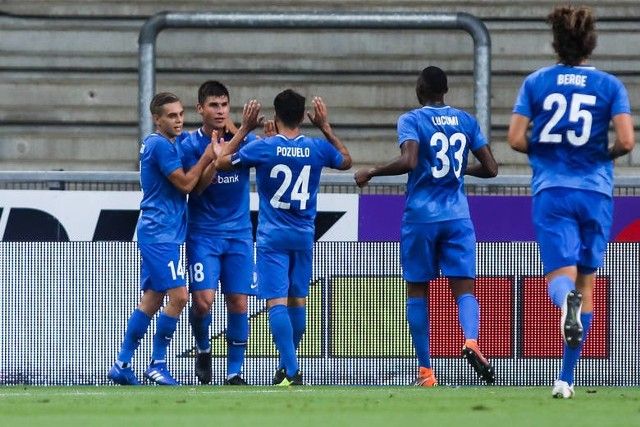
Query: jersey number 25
{"points": [[576, 113]]}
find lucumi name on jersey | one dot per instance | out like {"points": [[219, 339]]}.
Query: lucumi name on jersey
{"points": [[445, 120]]}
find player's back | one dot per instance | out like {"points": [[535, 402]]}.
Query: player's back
{"points": [[571, 108], [435, 187], [288, 178]]}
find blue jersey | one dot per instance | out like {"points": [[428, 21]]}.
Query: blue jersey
{"points": [[163, 217], [435, 188], [571, 108], [223, 207], [288, 179]]}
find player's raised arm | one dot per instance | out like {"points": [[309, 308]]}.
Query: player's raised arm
{"points": [[210, 170], [230, 127], [251, 118], [320, 119]]}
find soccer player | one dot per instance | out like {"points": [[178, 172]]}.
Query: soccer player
{"points": [[161, 228], [219, 238], [571, 105], [437, 233], [288, 167]]}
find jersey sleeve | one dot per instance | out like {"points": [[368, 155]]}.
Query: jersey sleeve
{"points": [[620, 103], [248, 155], [522, 105], [478, 137], [167, 157], [333, 157], [190, 148], [407, 128]]}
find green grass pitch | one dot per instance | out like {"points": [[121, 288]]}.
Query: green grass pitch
{"points": [[315, 406]]}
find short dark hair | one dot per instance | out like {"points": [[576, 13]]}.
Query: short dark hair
{"points": [[289, 106], [432, 81], [574, 34], [157, 103], [211, 88]]}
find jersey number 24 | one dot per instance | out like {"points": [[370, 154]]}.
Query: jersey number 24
{"points": [[299, 191]]}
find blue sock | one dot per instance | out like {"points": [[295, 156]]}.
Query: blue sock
{"points": [[418, 319], [282, 333], [165, 327], [298, 317], [558, 289], [237, 336], [570, 356], [469, 316], [137, 326], [200, 330]]}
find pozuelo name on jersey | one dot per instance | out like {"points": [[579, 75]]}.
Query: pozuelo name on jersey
{"points": [[293, 151]]}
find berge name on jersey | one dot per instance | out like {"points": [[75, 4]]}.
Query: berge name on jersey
{"points": [[572, 79]]}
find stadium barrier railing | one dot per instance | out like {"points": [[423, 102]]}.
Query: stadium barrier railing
{"points": [[65, 305]]}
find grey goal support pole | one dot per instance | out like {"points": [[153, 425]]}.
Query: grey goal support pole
{"points": [[372, 21]]}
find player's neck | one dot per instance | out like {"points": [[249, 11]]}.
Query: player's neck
{"points": [[289, 133], [208, 129], [171, 138], [579, 63]]}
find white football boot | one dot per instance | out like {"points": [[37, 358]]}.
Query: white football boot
{"points": [[562, 389]]}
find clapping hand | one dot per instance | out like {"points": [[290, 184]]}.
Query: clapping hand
{"points": [[270, 128], [216, 145], [320, 118], [250, 115]]}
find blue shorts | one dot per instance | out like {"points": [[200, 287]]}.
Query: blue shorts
{"points": [[213, 259], [572, 227], [162, 267], [428, 248], [283, 273]]}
